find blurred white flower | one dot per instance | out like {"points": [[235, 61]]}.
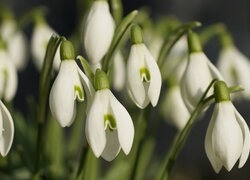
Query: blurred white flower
{"points": [[235, 68], [39, 41], [16, 44], [119, 71], [99, 31], [8, 77], [227, 137], [109, 126], [143, 76], [6, 130]]}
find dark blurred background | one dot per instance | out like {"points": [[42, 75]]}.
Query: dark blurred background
{"points": [[192, 163]]}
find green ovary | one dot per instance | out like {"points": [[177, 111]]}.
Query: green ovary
{"points": [[109, 121], [145, 75]]}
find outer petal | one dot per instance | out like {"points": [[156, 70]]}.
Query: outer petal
{"points": [[125, 127], [227, 138], [95, 132], [8, 131], [155, 80], [196, 78], [215, 162], [214, 71], [61, 98], [135, 84], [119, 72], [99, 31], [112, 147], [246, 138], [11, 81]]}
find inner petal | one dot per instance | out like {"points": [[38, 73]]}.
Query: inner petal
{"points": [[109, 121], [145, 75]]}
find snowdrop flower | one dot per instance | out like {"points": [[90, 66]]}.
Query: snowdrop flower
{"points": [[143, 74], [109, 126], [8, 75], [67, 87], [16, 43], [227, 137], [6, 130], [119, 71], [198, 74], [39, 41], [99, 31], [234, 66], [174, 109]]}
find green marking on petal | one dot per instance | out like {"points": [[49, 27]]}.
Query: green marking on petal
{"points": [[109, 121], [145, 75], [78, 92]]}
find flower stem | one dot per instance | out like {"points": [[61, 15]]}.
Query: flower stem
{"points": [[82, 162], [172, 154], [43, 95]]}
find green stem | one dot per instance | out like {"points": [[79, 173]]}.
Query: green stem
{"points": [[43, 95], [119, 33], [141, 141], [117, 10], [181, 137], [172, 38], [82, 162]]}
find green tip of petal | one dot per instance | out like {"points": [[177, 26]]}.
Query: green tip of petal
{"points": [[194, 44], [101, 80], [67, 51], [136, 34], [221, 91], [226, 40]]}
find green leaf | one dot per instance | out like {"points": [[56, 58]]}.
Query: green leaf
{"points": [[117, 10], [87, 68], [119, 32], [172, 38]]}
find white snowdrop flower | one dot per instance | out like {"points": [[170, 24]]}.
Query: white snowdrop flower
{"points": [[227, 137], [198, 74], [109, 126], [174, 109], [67, 87], [99, 31], [143, 74], [39, 41], [235, 67], [16, 44], [6, 130], [8, 77], [119, 71]]}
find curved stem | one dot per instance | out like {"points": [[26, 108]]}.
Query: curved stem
{"points": [[82, 162], [182, 136]]}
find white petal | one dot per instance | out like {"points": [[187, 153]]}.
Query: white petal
{"points": [[8, 131], [195, 79], [155, 78], [112, 147], [214, 71], [227, 138], [246, 138], [57, 59], [11, 81], [215, 162], [135, 84], [95, 132], [61, 100], [175, 109], [125, 127], [119, 71], [99, 30]]}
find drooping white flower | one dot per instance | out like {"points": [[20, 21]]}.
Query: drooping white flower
{"points": [[143, 74], [67, 88], [6, 130], [198, 74], [119, 71], [227, 137], [39, 41], [174, 109], [235, 68], [109, 126], [99, 31], [16, 44], [8, 77]]}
